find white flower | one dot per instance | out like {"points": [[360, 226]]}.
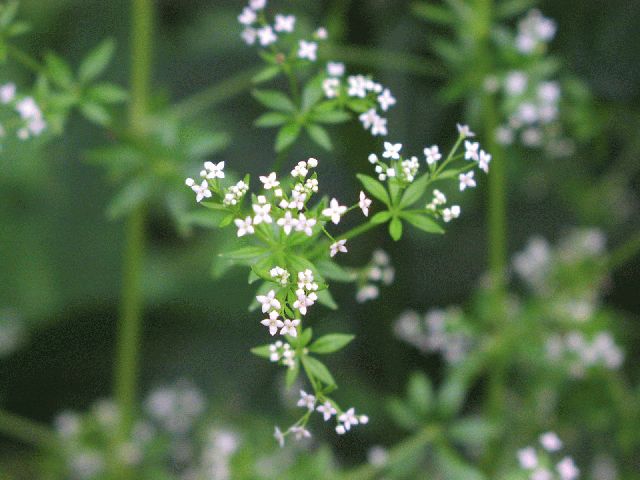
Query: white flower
{"points": [[528, 458], [449, 214], [392, 150], [541, 474], [273, 322], [312, 162], [335, 69], [300, 432], [379, 127], [214, 170], [285, 23], [268, 301], [300, 170], [249, 35], [433, 154], [550, 442], [244, 226], [567, 469], [386, 100], [335, 211], [262, 214], [303, 301], [466, 180], [279, 436], [515, 83], [331, 87], [257, 4], [270, 181], [357, 86], [289, 327], [321, 33], [364, 203], [336, 247], [266, 36], [308, 50], [305, 224], [247, 17], [471, 150], [340, 430], [28, 108], [327, 410], [281, 274], [465, 131], [307, 400], [368, 118], [484, 160], [348, 419], [202, 191], [287, 223], [7, 93]]}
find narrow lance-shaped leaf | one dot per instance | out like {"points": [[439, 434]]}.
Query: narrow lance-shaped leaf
{"points": [[274, 100], [96, 62], [287, 136], [331, 343], [422, 222], [318, 370], [375, 188]]}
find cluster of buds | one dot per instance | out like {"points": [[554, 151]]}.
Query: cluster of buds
{"points": [[534, 32], [31, 121], [579, 354], [283, 353], [538, 462], [378, 271]]}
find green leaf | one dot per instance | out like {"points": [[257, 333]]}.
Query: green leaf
{"points": [[95, 113], [325, 298], [375, 188], [453, 467], [333, 271], [266, 74], [130, 197], [8, 12], [318, 370], [107, 93], [433, 13], [96, 62], [331, 343], [473, 431], [414, 192], [244, 253], [422, 222], [511, 8], [305, 337], [292, 374], [395, 228], [59, 71], [262, 351], [272, 119], [381, 217], [274, 100], [287, 136], [401, 414], [312, 93], [330, 117], [319, 135], [420, 392]]}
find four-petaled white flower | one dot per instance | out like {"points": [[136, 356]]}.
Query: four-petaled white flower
{"points": [[308, 50], [433, 154], [289, 327], [273, 322], [364, 203], [335, 211], [249, 35], [300, 432], [567, 469], [307, 400], [7, 93], [528, 458], [550, 442], [327, 410], [266, 36], [279, 436], [465, 131], [466, 180], [335, 69], [336, 247], [262, 213], [392, 150], [257, 4], [287, 223], [348, 419], [484, 160], [270, 181], [471, 150], [268, 301], [244, 226], [214, 170], [305, 224], [449, 214], [247, 17], [285, 23], [304, 301], [202, 191], [386, 100]]}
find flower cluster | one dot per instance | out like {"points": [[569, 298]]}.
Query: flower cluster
{"points": [[175, 408], [19, 113], [439, 331], [539, 462], [283, 353], [534, 32], [579, 354], [378, 271]]}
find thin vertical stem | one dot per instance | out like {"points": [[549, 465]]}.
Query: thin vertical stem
{"points": [[127, 361]]}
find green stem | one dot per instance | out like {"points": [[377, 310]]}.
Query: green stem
{"points": [[24, 59], [625, 252], [220, 92], [127, 360], [27, 431], [399, 454]]}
